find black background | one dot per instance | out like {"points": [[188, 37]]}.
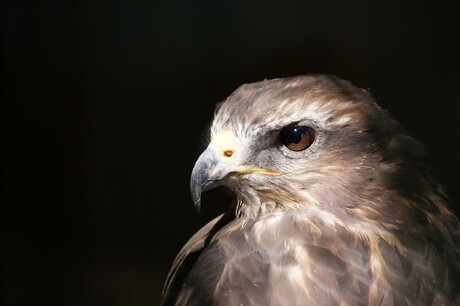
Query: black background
{"points": [[105, 104]]}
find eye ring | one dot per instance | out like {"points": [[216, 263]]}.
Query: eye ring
{"points": [[297, 138]]}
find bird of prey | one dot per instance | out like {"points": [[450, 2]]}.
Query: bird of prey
{"points": [[334, 205]]}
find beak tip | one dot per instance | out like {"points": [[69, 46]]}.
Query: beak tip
{"points": [[202, 179], [197, 204]]}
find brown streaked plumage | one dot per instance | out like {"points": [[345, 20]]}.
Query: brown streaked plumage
{"points": [[334, 205]]}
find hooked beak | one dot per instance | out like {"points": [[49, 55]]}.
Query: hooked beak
{"points": [[209, 172], [215, 165]]}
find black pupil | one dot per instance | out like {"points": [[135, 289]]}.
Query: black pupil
{"points": [[294, 135]]}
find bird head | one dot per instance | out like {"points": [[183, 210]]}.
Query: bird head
{"points": [[306, 140]]}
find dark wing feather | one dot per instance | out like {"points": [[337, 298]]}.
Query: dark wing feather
{"points": [[188, 256]]}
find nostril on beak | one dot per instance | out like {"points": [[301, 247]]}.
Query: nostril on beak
{"points": [[228, 153]]}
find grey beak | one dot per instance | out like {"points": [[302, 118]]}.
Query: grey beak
{"points": [[209, 171]]}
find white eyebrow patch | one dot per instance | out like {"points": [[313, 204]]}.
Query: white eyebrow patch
{"points": [[317, 112], [324, 113]]}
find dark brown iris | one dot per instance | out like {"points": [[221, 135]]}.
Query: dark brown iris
{"points": [[297, 138]]}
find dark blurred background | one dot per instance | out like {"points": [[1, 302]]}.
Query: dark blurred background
{"points": [[105, 104]]}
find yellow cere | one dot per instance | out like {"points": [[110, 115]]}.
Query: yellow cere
{"points": [[224, 143]]}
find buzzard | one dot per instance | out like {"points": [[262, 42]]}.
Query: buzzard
{"points": [[334, 205]]}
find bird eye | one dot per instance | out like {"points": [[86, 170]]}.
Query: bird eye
{"points": [[297, 138]]}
